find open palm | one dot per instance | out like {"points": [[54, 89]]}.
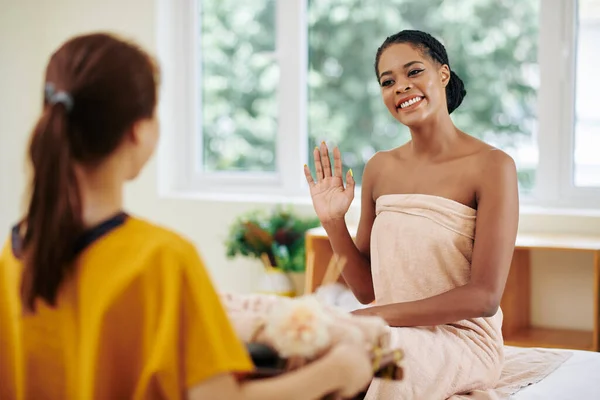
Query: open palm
{"points": [[330, 198]]}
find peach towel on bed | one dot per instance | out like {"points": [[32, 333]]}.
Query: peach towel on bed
{"points": [[421, 246]]}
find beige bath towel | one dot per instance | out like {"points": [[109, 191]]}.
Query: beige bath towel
{"points": [[421, 246]]}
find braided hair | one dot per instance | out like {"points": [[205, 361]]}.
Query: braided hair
{"points": [[431, 47]]}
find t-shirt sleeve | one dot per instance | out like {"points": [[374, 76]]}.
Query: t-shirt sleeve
{"points": [[210, 345]]}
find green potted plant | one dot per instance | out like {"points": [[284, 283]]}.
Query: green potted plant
{"points": [[276, 238]]}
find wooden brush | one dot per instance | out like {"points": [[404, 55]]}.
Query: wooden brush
{"points": [[310, 271], [334, 270]]}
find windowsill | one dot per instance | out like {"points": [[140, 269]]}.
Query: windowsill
{"points": [[237, 197], [535, 210], [526, 208]]}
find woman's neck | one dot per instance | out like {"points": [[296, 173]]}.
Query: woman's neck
{"points": [[101, 194], [435, 137]]}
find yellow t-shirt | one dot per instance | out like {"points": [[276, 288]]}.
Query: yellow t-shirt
{"points": [[139, 319]]}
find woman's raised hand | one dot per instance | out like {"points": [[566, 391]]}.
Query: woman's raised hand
{"points": [[330, 198]]}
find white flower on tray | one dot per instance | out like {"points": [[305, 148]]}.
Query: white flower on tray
{"points": [[299, 328], [303, 327]]}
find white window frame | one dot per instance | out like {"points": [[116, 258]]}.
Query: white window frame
{"points": [[178, 24], [179, 55], [571, 194], [555, 186]]}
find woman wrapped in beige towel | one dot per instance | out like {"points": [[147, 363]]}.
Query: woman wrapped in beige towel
{"points": [[437, 229]]}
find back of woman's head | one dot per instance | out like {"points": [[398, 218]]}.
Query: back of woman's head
{"points": [[97, 87], [432, 48]]}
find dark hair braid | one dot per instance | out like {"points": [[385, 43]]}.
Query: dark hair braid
{"points": [[430, 46]]}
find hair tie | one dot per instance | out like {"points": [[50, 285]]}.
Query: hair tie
{"points": [[54, 97]]}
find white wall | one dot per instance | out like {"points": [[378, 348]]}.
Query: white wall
{"points": [[30, 30]]}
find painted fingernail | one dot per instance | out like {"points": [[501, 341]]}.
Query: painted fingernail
{"points": [[316, 147], [305, 165], [323, 142], [351, 174]]}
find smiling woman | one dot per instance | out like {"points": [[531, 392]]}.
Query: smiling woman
{"points": [[437, 230]]}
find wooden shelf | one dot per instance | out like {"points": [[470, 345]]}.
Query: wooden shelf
{"points": [[545, 241], [551, 338]]}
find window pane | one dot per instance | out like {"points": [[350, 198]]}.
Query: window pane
{"points": [[492, 46], [587, 117], [239, 81]]}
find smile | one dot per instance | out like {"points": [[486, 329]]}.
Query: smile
{"points": [[408, 103]]}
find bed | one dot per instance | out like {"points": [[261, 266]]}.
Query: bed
{"points": [[577, 378]]}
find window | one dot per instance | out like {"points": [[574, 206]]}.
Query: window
{"points": [[587, 89], [250, 89], [239, 80]]}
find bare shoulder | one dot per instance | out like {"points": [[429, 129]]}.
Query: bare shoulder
{"points": [[375, 164], [493, 161], [385, 160], [488, 157], [379, 158], [497, 174]]}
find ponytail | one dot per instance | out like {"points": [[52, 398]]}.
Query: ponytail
{"points": [[97, 87], [53, 221]]}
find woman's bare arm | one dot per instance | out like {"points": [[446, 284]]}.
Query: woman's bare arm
{"points": [[495, 235], [357, 271], [345, 370]]}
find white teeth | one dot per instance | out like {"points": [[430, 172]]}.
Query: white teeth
{"points": [[410, 102]]}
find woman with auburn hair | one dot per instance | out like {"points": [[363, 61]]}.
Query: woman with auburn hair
{"points": [[98, 304]]}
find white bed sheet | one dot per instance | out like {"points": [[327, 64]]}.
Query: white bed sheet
{"points": [[578, 378]]}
